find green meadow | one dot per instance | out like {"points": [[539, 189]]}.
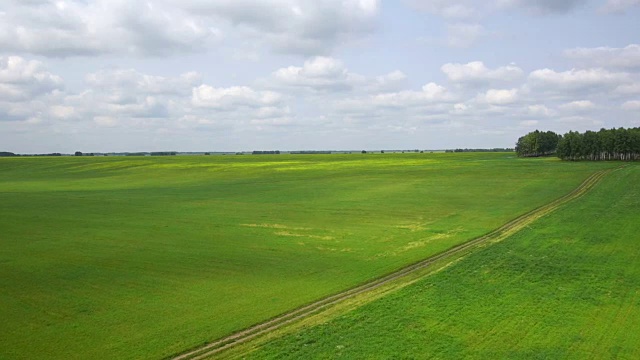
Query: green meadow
{"points": [[145, 257], [566, 287]]}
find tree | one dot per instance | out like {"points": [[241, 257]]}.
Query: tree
{"points": [[613, 144], [78, 153], [537, 143]]}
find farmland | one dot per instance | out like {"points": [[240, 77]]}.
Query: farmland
{"points": [[145, 257], [566, 287]]}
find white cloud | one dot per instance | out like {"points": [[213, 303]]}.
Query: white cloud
{"points": [[477, 72], [126, 94], [459, 109], [306, 27], [578, 106], [400, 109], [587, 80], [394, 80], [539, 110], [68, 28], [329, 75], [132, 80], [319, 74], [430, 93], [233, 97], [631, 105], [26, 87], [618, 6], [607, 57], [22, 79], [172, 27], [62, 112], [500, 96]]}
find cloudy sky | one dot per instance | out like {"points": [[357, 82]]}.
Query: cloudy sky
{"points": [[208, 75]]}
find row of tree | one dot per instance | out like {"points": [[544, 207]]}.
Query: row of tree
{"points": [[10, 154], [606, 144], [613, 144], [269, 152], [480, 150]]}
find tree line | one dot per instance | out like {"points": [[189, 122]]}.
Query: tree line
{"points": [[606, 144], [10, 154]]}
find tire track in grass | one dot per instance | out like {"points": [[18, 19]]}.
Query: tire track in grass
{"points": [[496, 235]]}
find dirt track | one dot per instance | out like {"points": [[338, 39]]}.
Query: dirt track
{"points": [[502, 232]]}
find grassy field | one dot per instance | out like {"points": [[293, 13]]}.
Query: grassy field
{"points": [[145, 257], [567, 287]]}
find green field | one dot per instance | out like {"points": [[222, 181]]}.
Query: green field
{"points": [[144, 257], [567, 287]]}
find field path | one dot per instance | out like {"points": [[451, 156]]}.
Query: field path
{"points": [[496, 235]]}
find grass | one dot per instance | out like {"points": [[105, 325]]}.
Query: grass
{"points": [[146, 257], [567, 287]]}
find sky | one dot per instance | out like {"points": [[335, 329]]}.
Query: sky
{"points": [[241, 75]]}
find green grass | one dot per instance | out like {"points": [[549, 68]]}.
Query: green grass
{"points": [[567, 287], [146, 257]]}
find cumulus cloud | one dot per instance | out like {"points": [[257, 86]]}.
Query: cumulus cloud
{"points": [[408, 105], [586, 80], [578, 106], [132, 80], [168, 27], [430, 92], [392, 81], [68, 28], [126, 94], [305, 27], [500, 96], [22, 79], [539, 110], [233, 97], [25, 88], [319, 74], [329, 75], [622, 58], [476, 72]]}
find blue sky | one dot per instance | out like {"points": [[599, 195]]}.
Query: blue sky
{"points": [[195, 75]]}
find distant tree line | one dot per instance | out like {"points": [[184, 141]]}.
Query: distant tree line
{"points": [[164, 153], [271, 152], [537, 143], [10, 154], [480, 150], [310, 152], [606, 144]]}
